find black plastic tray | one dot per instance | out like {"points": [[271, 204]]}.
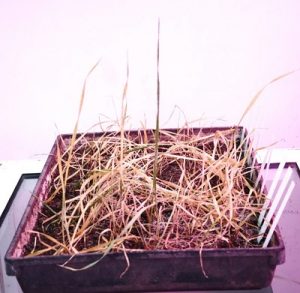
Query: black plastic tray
{"points": [[233, 268]]}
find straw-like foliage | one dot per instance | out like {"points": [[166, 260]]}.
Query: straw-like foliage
{"points": [[102, 196]]}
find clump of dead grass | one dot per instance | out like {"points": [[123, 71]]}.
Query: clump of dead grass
{"points": [[203, 193], [149, 190]]}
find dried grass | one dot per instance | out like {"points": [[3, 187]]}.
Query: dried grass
{"points": [[102, 193]]}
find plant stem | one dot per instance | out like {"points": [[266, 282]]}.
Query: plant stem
{"points": [[122, 125], [155, 166]]}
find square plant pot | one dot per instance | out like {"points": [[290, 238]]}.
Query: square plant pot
{"points": [[223, 265]]}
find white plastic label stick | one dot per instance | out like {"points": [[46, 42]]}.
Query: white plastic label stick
{"points": [[274, 204], [265, 162], [271, 192], [279, 213]]}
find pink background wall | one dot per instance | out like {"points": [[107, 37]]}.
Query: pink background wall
{"points": [[215, 55]]}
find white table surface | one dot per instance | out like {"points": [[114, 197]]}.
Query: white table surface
{"points": [[10, 173]]}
